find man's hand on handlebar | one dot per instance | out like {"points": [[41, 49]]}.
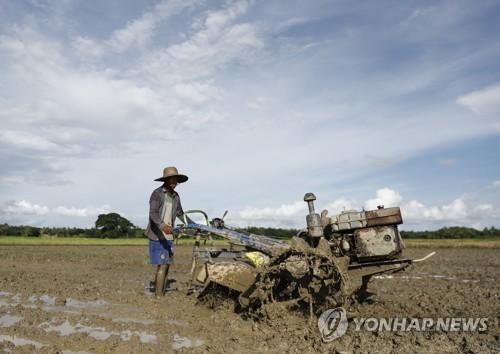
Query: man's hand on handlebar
{"points": [[167, 230]]}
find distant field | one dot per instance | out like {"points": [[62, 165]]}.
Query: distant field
{"points": [[10, 240], [453, 243], [82, 241]]}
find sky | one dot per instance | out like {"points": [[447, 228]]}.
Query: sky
{"points": [[362, 103]]}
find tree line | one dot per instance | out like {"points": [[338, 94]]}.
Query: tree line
{"points": [[455, 232], [110, 225], [270, 231], [113, 225]]}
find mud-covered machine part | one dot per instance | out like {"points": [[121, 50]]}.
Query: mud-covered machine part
{"points": [[329, 262]]}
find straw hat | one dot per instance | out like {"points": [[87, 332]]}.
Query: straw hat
{"points": [[172, 172]]}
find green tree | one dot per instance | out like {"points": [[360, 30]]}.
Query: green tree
{"points": [[114, 225], [29, 231]]}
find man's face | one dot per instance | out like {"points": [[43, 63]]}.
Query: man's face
{"points": [[171, 182]]}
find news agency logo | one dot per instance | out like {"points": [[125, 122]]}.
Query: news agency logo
{"points": [[332, 324]]}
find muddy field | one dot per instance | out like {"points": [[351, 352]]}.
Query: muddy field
{"points": [[92, 299]]}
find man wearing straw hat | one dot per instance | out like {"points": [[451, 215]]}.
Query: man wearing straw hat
{"points": [[164, 207]]}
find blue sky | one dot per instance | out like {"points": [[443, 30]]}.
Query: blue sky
{"points": [[259, 102]]}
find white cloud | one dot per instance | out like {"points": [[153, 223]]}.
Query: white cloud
{"points": [[287, 215], [447, 162], [292, 22], [26, 140], [136, 34], [12, 179], [457, 212], [24, 207], [386, 197], [283, 212], [293, 214], [419, 12], [484, 101], [230, 82], [88, 48], [340, 205], [170, 88], [495, 184], [217, 41], [415, 210], [74, 107], [258, 102], [80, 212], [483, 208], [65, 110], [195, 92]]}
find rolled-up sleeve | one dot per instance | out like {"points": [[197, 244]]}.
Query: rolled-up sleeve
{"points": [[155, 210]]}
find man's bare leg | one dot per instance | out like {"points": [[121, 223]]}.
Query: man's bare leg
{"points": [[161, 279]]}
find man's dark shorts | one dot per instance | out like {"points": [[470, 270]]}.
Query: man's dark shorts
{"points": [[161, 252]]}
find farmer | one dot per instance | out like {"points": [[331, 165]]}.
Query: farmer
{"points": [[164, 207]]}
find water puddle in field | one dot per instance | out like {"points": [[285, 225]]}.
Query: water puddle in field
{"points": [[15, 299], [45, 299], [48, 300], [69, 305], [66, 329], [19, 342], [49, 303], [74, 306], [145, 337], [426, 276], [9, 320], [32, 301], [85, 304], [98, 333], [184, 342], [177, 323], [134, 320]]}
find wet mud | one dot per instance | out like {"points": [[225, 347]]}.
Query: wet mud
{"points": [[93, 299]]}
